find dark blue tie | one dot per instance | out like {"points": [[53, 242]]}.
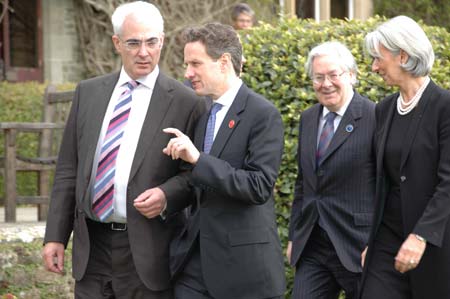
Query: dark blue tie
{"points": [[325, 136], [209, 136]]}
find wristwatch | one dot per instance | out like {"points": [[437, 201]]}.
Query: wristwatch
{"points": [[420, 238]]}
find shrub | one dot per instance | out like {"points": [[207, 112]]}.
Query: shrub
{"points": [[275, 68], [22, 102], [432, 12]]}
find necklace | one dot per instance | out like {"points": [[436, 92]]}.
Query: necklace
{"points": [[409, 106]]}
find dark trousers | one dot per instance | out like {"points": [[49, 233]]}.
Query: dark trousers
{"points": [[190, 284], [111, 273], [319, 272], [382, 280]]}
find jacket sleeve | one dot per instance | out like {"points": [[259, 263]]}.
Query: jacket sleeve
{"points": [[433, 223], [253, 182], [298, 193], [62, 205]]}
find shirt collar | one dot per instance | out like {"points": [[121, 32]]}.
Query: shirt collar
{"points": [[228, 97], [147, 81], [344, 107]]}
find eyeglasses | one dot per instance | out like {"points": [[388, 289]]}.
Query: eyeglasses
{"points": [[135, 44], [333, 77]]}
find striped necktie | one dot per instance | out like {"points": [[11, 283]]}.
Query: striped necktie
{"points": [[325, 136], [209, 135], [104, 180]]}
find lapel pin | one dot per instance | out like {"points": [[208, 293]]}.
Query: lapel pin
{"points": [[349, 128], [231, 124]]}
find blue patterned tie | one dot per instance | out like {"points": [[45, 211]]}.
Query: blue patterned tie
{"points": [[325, 136], [209, 136], [104, 180]]}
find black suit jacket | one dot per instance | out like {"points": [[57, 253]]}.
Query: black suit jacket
{"points": [[172, 105], [341, 190], [424, 188], [233, 211]]}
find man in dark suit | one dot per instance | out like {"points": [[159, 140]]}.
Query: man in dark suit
{"points": [[111, 153], [230, 247], [334, 191]]}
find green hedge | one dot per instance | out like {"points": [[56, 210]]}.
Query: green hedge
{"points": [[275, 68], [22, 102], [432, 12]]}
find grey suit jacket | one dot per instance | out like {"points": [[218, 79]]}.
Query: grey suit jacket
{"points": [[341, 189], [233, 209], [172, 105]]}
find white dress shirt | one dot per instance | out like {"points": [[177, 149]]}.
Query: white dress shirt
{"points": [[339, 114], [226, 100], [141, 96]]}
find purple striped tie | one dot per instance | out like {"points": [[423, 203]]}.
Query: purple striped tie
{"points": [[325, 136], [104, 180]]}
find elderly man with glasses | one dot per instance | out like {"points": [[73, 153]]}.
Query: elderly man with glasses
{"points": [[334, 191], [110, 154]]}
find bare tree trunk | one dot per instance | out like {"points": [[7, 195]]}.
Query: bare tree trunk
{"points": [[95, 30]]}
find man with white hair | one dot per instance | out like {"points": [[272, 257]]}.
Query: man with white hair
{"points": [[334, 192], [110, 154]]}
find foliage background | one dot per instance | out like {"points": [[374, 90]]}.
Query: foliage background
{"points": [[275, 68], [432, 12], [22, 102]]}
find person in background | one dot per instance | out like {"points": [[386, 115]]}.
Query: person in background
{"points": [[111, 153], [334, 192], [230, 247], [408, 255], [242, 16]]}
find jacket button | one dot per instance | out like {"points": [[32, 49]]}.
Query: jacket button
{"points": [[402, 178], [320, 172]]}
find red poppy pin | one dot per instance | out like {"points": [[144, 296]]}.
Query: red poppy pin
{"points": [[231, 124]]}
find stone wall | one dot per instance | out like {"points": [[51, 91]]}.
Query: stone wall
{"points": [[22, 274], [62, 55]]}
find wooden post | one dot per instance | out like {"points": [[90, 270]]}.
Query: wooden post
{"points": [[325, 10], [290, 9], [10, 175]]}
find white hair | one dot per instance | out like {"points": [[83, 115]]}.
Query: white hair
{"points": [[403, 33], [143, 12], [335, 49]]}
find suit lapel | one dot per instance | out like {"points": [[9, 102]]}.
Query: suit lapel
{"points": [[230, 122], [200, 130], [415, 122], [310, 134], [101, 97], [347, 125], [159, 105], [386, 123]]}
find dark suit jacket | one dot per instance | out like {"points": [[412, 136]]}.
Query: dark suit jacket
{"points": [[424, 188], [233, 211], [341, 190], [172, 105]]}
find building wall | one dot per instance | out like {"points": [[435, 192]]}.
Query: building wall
{"points": [[360, 9], [363, 9], [61, 52]]}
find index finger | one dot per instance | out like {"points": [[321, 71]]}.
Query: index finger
{"points": [[174, 131]]}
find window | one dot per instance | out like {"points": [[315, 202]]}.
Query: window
{"points": [[21, 41]]}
